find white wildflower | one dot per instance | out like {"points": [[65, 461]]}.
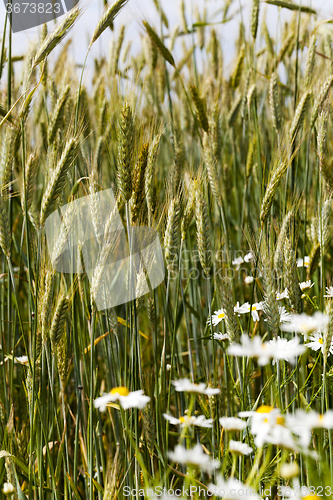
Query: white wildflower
{"points": [[329, 292], [194, 456], [239, 448], [135, 399], [282, 295], [188, 421], [302, 323], [232, 423], [217, 317], [184, 385]]}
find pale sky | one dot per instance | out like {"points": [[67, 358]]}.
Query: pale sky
{"points": [[137, 10]]}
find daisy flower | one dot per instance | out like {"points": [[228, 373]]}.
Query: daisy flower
{"points": [[306, 284], [268, 426], [303, 262], [289, 350], [217, 317], [232, 423], [317, 342], [237, 262], [194, 456], [248, 280], [329, 292], [220, 336], [187, 421], [249, 256], [239, 448], [126, 399], [302, 422], [302, 323], [184, 385], [23, 360], [285, 316], [282, 295], [246, 308], [232, 489], [252, 348]]}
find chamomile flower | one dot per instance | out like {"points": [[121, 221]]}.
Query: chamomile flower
{"points": [[232, 423], [252, 348], [305, 285], [317, 343], [302, 323], [288, 350], [231, 489], [268, 426], [248, 280], [329, 292], [135, 399], [246, 308], [22, 360], [302, 422], [220, 336], [188, 421], [285, 316], [249, 257], [239, 448], [194, 456], [237, 262], [217, 317], [184, 385], [303, 262], [282, 295]]}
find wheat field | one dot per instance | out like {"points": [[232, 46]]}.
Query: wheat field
{"points": [[217, 382]]}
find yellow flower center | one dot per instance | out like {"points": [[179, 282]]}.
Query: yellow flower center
{"points": [[321, 417], [320, 341], [280, 420], [311, 497], [221, 315], [122, 391], [254, 308], [264, 409], [182, 419]]}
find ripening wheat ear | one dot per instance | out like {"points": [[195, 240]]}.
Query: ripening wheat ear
{"points": [[171, 235], [323, 94], [108, 16], [138, 195], [291, 278], [165, 53], [58, 113], [274, 102], [58, 179], [189, 209], [5, 238], [150, 177], [227, 303], [203, 231], [57, 35], [300, 114], [254, 18], [59, 319], [125, 152], [200, 107]]}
